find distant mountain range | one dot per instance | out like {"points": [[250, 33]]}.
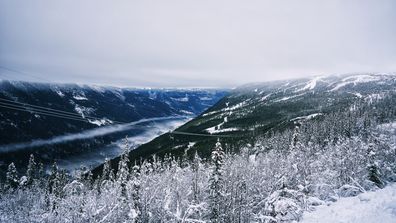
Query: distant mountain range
{"points": [[33, 111], [252, 110]]}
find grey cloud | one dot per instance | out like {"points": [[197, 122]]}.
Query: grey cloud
{"points": [[195, 43]]}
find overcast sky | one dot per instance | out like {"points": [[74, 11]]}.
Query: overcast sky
{"points": [[185, 43]]}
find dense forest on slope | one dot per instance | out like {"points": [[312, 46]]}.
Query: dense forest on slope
{"points": [[37, 112], [251, 111], [275, 179]]}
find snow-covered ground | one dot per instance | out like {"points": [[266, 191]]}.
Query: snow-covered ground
{"points": [[370, 207]]}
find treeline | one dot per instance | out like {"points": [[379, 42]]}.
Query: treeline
{"points": [[274, 180]]}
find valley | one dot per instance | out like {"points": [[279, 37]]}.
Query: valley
{"points": [[283, 151], [82, 125], [252, 111]]}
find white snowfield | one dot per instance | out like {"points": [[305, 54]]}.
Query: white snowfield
{"points": [[370, 207]]}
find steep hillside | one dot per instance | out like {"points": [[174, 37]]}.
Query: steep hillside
{"points": [[252, 110], [341, 146], [100, 105], [35, 113]]}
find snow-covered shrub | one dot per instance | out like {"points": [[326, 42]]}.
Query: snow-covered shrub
{"points": [[284, 205]]}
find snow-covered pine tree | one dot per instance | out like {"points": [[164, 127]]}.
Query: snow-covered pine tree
{"points": [[135, 194], [106, 170], [57, 180], [123, 170], [12, 180], [195, 166], [122, 178], [372, 167], [216, 183], [106, 178], [32, 171]]}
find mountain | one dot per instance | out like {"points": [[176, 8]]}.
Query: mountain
{"points": [[326, 147], [251, 111], [33, 115], [282, 150]]}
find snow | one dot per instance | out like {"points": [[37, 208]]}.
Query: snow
{"points": [[356, 79], [357, 94], [372, 97], [190, 145], [310, 85], [83, 111], [184, 99], [60, 93], [205, 98], [217, 128], [388, 126], [100, 122], [210, 113], [308, 117], [368, 207], [289, 97], [227, 108], [265, 97], [313, 115], [234, 107], [186, 112], [152, 95], [80, 97], [119, 94], [213, 130]]}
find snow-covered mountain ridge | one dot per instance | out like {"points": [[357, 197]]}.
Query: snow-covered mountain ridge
{"points": [[33, 113], [255, 109], [244, 160]]}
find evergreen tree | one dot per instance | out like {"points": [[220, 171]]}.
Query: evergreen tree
{"points": [[12, 177], [103, 182], [195, 166], [216, 183], [372, 167], [32, 171], [135, 181], [123, 171], [106, 171], [53, 179]]}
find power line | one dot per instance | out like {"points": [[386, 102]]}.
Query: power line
{"points": [[87, 121], [43, 113], [51, 110], [74, 116], [36, 106], [40, 110]]}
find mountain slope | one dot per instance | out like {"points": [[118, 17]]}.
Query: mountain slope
{"points": [[252, 110], [77, 110], [106, 105]]}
